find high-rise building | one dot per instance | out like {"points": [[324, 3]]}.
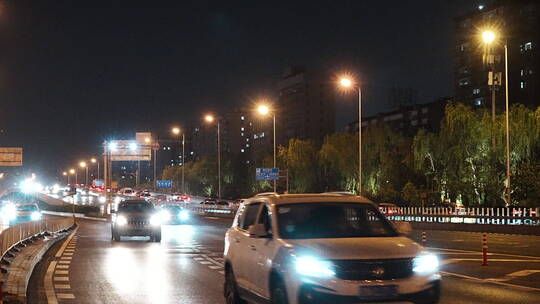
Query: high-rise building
{"points": [[306, 105], [516, 23]]}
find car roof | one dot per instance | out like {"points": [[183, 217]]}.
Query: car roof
{"points": [[279, 199]]}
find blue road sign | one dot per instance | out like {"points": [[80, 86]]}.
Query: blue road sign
{"points": [[164, 183], [267, 173]]}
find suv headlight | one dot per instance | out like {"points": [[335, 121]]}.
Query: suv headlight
{"points": [[121, 220], [36, 215], [184, 215], [314, 267], [426, 263], [155, 220]]}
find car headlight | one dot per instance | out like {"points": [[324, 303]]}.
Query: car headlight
{"points": [[314, 267], [165, 215], [35, 216], [426, 263], [121, 220], [155, 220], [184, 215], [9, 212]]}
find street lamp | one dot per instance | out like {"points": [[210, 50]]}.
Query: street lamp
{"points": [[210, 119], [265, 110], [348, 83], [94, 161], [67, 176], [83, 165], [176, 131], [489, 36], [73, 172]]}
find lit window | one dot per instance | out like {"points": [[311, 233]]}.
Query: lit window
{"points": [[255, 136], [476, 91], [242, 150], [478, 102], [528, 46], [247, 145], [242, 134], [250, 124], [247, 162], [247, 139], [242, 129], [521, 72], [192, 153], [262, 134], [523, 85], [242, 117]]}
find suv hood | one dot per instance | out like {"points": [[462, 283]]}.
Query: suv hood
{"points": [[357, 248]]}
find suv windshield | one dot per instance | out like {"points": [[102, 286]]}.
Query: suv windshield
{"points": [[135, 207], [331, 220]]}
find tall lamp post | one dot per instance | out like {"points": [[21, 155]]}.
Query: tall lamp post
{"points": [[489, 37], [73, 172], [83, 165], [94, 161], [348, 83], [67, 176], [265, 110], [210, 119], [176, 131]]}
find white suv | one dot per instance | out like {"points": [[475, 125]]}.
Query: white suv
{"points": [[323, 248]]}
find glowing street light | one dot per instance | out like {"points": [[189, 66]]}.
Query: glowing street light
{"points": [[210, 119], [147, 140], [348, 83], [83, 165], [488, 36], [265, 110], [73, 172], [112, 146], [94, 161], [176, 131]]}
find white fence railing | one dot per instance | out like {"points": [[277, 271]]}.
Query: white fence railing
{"points": [[14, 234]]}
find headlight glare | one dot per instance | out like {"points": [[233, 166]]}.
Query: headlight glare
{"points": [[426, 263], [121, 220], [155, 220], [184, 215], [314, 267], [36, 215]]}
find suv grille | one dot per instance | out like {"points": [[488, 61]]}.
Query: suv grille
{"points": [[138, 222], [373, 269]]}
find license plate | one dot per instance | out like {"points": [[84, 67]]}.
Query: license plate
{"points": [[386, 291]]}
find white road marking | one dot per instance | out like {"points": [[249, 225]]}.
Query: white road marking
{"points": [[62, 266], [65, 296], [61, 272], [222, 272], [67, 253], [205, 262], [489, 281], [62, 286], [64, 262], [479, 252], [214, 267], [522, 273], [66, 258], [61, 279], [47, 283]]}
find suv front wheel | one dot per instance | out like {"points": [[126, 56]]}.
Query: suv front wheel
{"points": [[231, 289], [278, 292]]}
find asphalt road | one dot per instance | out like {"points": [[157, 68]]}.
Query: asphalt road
{"points": [[187, 268]]}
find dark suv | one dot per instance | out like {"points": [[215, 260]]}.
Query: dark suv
{"points": [[136, 218]]}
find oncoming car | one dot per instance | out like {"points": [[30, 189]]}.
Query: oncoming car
{"points": [[136, 218], [174, 214], [16, 213], [323, 248]]}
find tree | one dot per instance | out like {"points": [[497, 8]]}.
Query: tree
{"points": [[300, 157]]}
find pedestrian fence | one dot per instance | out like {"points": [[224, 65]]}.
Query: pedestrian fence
{"points": [[15, 234]]}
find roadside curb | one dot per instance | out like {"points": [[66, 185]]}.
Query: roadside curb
{"points": [[22, 266]]}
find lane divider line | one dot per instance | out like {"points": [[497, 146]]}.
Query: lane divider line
{"points": [[492, 281]]}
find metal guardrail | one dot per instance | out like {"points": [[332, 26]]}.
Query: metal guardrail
{"points": [[20, 232]]}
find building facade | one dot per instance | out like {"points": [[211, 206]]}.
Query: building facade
{"points": [[408, 119], [516, 23], [306, 105]]}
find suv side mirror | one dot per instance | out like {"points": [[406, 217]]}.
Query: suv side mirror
{"points": [[403, 227], [257, 231]]}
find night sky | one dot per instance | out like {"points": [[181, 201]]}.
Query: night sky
{"points": [[74, 73]]}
